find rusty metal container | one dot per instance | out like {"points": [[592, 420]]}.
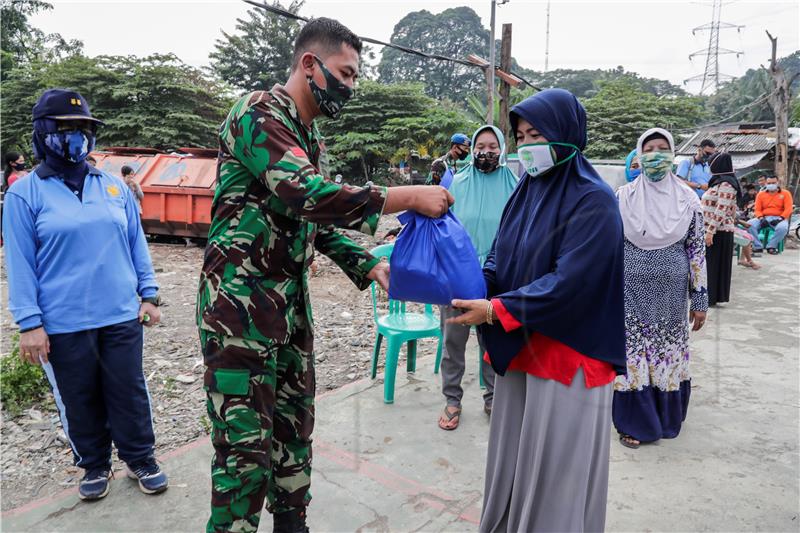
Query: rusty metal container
{"points": [[178, 187]]}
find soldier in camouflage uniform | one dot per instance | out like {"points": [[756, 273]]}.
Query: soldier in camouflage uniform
{"points": [[454, 159], [271, 209]]}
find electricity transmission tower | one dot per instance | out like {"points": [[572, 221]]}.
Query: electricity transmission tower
{"points": [[711, 77]]}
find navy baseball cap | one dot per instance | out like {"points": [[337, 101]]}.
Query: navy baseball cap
{"points": [[460, 138], [61, 104]]}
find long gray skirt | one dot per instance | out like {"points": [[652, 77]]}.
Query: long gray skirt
{"points": [[547, 464]]}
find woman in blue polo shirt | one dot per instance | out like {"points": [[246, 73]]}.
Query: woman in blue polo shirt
{"points": [[80, 286]]}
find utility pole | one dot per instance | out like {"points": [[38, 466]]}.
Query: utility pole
{"points": [[547, 40], [505, 88], [779, 98], [711, 77], [490, 74]]}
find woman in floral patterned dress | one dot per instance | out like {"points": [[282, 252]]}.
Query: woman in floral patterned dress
{"points": [[665, 290]]}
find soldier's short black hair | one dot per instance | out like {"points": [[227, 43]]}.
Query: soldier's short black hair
{"points": [[326, 35], [125, 170], [707, 143]]}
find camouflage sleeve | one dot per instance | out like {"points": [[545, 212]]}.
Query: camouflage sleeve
{"points": [[354, 260], [272, 152]]}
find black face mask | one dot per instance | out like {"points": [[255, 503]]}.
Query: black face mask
{"points": [[18, 166], [462, 155], [334, 96], [487, 161]]}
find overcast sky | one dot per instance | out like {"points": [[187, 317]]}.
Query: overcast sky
{"points": [[650, 37]]}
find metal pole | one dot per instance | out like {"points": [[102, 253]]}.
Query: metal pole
{"points": [[490, 99], [547, 40]]}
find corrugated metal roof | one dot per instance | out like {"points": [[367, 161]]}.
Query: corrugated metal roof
{"points": [[747, 141], [743, 161]]}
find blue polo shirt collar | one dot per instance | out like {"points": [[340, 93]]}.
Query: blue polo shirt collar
{"points": [[46, 171]]}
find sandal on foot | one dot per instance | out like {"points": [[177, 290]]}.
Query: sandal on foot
{"points": [[450, 415], [488, 410], [629, 442]]}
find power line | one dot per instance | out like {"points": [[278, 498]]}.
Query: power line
{"points": [[405, 49], [760, 100]]}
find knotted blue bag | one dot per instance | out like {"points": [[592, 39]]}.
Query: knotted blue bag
{"points": [[434, 262]]}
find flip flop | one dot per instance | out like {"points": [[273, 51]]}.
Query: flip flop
{"points": [[625, 440], [450, 416]]}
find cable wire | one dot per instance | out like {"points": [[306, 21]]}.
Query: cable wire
{"points": [[405, 49]]}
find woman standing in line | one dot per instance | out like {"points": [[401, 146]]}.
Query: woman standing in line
{"points": [[719, 215], [481, 191], [665, 274]]}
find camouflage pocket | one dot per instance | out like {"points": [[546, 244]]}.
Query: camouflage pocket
{"points": [[230, 381]]}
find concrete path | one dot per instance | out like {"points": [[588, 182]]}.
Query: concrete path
{"points": [[389, 468]]}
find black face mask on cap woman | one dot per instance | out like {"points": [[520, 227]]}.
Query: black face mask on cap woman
{"points": [[487, 161]]}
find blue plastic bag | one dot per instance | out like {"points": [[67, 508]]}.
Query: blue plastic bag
{"points": [[434, 262]]}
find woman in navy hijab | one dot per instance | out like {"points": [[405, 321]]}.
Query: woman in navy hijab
{"points": [[553, 329]]}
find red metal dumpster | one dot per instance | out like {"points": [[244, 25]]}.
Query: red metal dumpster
{"points": [[178, 187]]}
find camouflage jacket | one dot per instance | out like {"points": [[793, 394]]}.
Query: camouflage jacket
{"points": [[446, 161], [271, 209]]}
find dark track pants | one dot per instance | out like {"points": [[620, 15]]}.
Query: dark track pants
{"points": [[99, 387]]}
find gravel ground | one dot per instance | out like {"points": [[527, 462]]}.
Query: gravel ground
{"points": [[36, 459]]}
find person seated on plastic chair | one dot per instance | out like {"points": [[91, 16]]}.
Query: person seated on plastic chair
{"points": [[773, 208]]}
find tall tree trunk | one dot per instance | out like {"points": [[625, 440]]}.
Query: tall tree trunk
{"points": [[505, 88], [779, 99]]}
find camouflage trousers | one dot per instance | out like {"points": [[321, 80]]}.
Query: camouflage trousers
{"points": [[261, 407]]}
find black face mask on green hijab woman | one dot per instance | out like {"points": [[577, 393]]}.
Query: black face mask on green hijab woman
{"points": [[334, 96]]}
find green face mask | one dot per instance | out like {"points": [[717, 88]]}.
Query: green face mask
{"points": [[655, 165], [538, 158]]}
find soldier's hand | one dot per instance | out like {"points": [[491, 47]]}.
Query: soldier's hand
{"points": [[432, 201], [380, 274], [424, 199]]}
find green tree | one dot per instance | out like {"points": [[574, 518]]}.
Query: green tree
{"points": [[383, 124], [155, 101], [259, 54], [585, 83], [21, 43], [742, 92], [455, 32], [621, 111]]}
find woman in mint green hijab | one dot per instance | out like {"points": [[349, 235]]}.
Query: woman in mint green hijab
{"points": [[481, 190]]}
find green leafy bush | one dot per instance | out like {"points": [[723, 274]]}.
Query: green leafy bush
{"points": [[21, 384]]}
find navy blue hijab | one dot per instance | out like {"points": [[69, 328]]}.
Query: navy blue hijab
{"points": [[557, 261]]}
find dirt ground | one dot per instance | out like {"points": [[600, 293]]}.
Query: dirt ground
{"points": [[35, 459]]}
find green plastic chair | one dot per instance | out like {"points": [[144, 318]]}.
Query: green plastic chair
{"points": [[765, 234], [400, 327]]}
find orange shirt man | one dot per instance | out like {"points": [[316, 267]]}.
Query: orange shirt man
{"points": [[773, 207]]}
